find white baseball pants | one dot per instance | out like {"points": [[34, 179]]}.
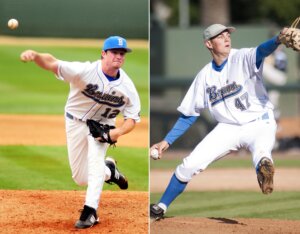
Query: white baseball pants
{"points": [[257, 136], [87, 160]]}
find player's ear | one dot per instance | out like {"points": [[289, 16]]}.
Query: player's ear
{"points": [[208, 44], [103, 53]]}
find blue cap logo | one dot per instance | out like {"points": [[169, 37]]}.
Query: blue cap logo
{"points": [[115, 42]]}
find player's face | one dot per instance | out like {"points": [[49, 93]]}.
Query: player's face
{"points": [[114, 58], [221, 43]]}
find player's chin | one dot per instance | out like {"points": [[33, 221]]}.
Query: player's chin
{"points": [[226, 50], [117, 65]]}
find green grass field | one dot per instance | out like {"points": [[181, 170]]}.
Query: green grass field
{"points": [[230, 162], [47, 168], [26, 88], [235, 204]]}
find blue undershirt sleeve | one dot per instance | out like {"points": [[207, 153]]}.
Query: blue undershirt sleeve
{"points": [[265, 49], [183, 123]]}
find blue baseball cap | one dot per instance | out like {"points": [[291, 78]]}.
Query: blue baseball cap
{"points": [[115, 42]]}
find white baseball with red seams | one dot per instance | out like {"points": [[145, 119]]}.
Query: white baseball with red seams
{"points": [[13, 24], [154, 154]]}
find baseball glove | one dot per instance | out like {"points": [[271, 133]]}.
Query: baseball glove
{"points": [[101, 131], [291, 38]]}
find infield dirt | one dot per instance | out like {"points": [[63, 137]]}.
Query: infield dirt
{"points": [[56, 212], [215, 225]]}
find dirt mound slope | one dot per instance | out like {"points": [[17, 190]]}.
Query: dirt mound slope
{"points": [[56, 212], [215, 225]]}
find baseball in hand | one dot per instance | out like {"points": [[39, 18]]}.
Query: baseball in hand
{"points": [[13, 24], [154, 154]]}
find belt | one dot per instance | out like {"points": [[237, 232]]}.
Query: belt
{"points": [[73, 117], [263, 117]]}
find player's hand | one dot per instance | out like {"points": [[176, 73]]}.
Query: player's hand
{"points": [[161, 147], [284, 30], [115, 134], [28, 55]]}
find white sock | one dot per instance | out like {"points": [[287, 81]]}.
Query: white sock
{"points": [[163, 206]]}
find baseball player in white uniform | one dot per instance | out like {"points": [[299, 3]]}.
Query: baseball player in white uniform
{"points": [[231, 87], [99, 90]]}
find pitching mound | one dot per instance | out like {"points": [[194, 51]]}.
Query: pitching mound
{"points": [[214, 225], [57, 211]]}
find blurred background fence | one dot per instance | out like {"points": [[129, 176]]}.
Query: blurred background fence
{"points": [[76, 18], [178, 54]]}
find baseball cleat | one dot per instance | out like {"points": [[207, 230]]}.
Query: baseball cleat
{"points": [[116, 176], [156, 213], [265, 173], [88, 218]]}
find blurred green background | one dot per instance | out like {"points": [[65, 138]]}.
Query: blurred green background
{"points": [[76, 18], [26, 88]]}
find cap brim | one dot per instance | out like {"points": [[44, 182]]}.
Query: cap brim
{"points": [[230, 29], [127, 50]]}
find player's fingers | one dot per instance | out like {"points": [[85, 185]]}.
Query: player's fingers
{"points": [[156, 147], [153, 147], [160, 147], [27, 56], [166, 146], [23, 57], [284, 30], [163, 146]]}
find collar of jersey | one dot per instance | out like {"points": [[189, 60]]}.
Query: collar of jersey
{"points": [[218, 68], [111, 78]]}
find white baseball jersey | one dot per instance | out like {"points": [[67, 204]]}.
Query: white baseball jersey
{"points": [[236, 95], [93, 96]]}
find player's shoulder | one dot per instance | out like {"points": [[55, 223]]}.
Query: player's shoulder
{"points": [[77, 64], [241, 51], [91, 65], [200, 76], [204, 70], [124, 76], [238, 55]]}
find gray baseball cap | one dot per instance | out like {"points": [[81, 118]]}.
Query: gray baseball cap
{"points": [[214, 30]]}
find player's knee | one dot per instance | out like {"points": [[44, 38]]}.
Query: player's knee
{"points": [[185, 171], [79, 180], [185, 174]]}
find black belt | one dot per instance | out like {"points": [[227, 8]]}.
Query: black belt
{"points": [[73, 117]]}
